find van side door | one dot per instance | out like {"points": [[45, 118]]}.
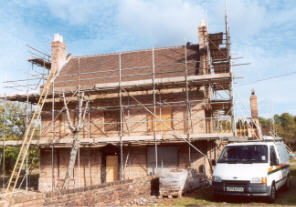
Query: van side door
{"points": [[284, 160]]}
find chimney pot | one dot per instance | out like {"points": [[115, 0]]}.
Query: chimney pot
{"points": [[203, 23], [253, 91], [58, 37]]}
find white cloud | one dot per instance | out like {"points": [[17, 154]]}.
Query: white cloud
{"points": [[164, 22], [72, 12], [172, 21], [14, 35], [246, 17], [81, 12]]}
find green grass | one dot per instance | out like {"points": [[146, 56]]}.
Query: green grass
{"points": [[204, 197]]}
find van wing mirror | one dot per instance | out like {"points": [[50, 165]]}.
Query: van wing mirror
{"points": [[275, 162]]}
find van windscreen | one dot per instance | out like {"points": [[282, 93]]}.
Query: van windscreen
{"points": [[244, 154]]}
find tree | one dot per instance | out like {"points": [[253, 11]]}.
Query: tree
{"points": [[75, 129], [13, 118], [13, 121], [284, 125], [267, 126]]}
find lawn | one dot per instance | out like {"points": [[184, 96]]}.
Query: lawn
{"points": [[204, 197]]}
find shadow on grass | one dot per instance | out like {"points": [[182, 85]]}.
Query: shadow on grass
{"points": [[205, 196]]}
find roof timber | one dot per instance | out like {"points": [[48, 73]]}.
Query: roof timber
{"points": [[172, 82], [67, 142]]}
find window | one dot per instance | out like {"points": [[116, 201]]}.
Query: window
{"points": [[167, 157], [244, 154], [163, 119], [111, 120], [273, 157]]}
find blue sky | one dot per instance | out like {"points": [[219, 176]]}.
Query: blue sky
{"points": [[262, 32]]}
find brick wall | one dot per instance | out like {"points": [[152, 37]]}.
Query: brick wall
{"points": [[88, 174], [92, 165], [109, 194], [136, 165], [23, 199], [138, 120]]}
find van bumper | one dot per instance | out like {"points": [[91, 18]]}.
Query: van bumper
{"points": [[250, 189]]}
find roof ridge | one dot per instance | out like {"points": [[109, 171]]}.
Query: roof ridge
{"points": [[126, 52]]}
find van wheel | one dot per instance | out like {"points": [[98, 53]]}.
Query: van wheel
{"points": [[272, 194], [288, 183]]}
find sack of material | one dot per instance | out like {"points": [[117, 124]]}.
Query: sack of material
{"points": [[172, 179], [179, 181]]}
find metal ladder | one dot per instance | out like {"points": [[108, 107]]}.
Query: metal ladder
{"points": [[30, 133]]}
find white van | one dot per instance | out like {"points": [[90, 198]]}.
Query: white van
{"points": [[252, 169]]}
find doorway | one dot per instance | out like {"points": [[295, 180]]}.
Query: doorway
{"points": [[111, 168]]}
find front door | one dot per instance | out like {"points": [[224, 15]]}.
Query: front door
{"points": [[111, 168]]}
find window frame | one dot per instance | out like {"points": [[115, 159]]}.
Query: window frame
{"points": [[273, 154], [114, 124]]}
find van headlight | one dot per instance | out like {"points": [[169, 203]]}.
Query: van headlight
{"points": [[262, 180], [217, 179]]}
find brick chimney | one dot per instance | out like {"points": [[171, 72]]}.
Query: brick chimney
{"points": [[58, 52], [254, 105], [203, 41]]}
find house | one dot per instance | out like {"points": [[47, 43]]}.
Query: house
{"points": [[146, 110]]}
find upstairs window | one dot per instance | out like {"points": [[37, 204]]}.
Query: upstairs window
{"points": [[111, 120], [163, 119]]}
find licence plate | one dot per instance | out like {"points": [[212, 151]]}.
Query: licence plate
{"points": [[235, 189]]}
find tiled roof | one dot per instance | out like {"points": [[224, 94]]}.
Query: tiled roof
{"points": [[136, 65]]}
